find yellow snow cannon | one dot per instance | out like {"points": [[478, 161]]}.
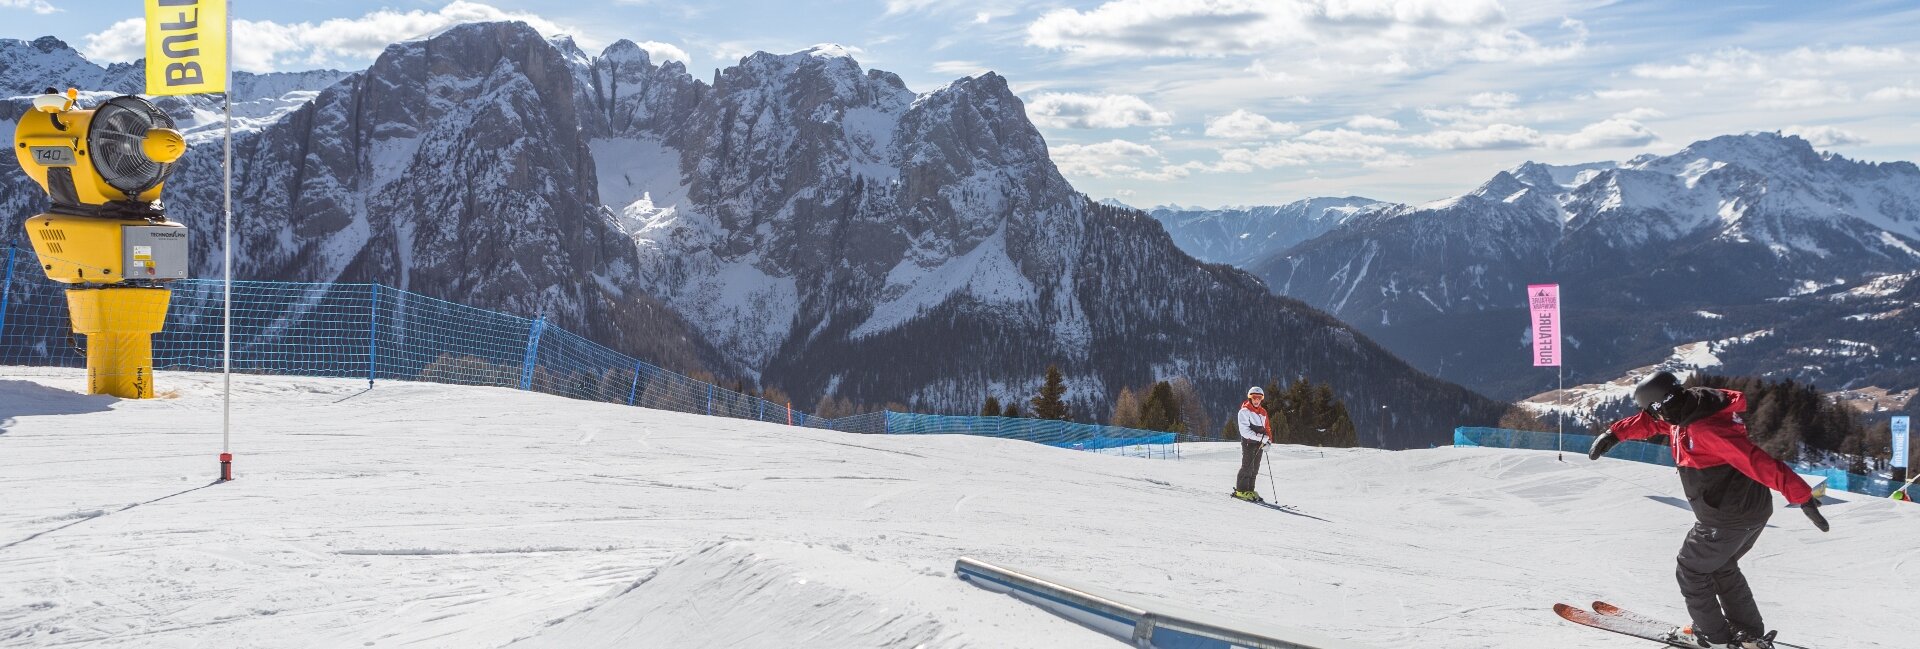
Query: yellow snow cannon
{"points": [[106, 234]]}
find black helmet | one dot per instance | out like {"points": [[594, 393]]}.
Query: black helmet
{"points": [[1657, 392]]}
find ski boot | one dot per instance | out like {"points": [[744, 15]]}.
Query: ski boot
{"points": [[1249, 496], [1744, 640], [1684, 636]]}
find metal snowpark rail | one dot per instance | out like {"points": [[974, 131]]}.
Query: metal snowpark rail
{"points": [[1649, 453], [376, 332]]}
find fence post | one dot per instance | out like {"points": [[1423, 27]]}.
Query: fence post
{"points": [[789, 413], [709, 399], [373, 335], [533, 353], [635, 388], [6, 286]]}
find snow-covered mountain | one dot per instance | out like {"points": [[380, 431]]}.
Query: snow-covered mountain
{"points": [[1736, 225], [30, 67], [840, 233], [455, 166], [1241, 235], [825, 227]]}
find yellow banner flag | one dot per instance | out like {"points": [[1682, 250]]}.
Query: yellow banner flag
{"points": [[186, 46]]}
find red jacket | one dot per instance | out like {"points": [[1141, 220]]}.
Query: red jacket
{"points": [[1703, 446]]}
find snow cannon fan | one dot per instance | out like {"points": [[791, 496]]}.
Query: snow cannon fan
{"points": [[106, 234]]}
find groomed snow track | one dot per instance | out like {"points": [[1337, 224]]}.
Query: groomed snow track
{"points": [[423, 515]]}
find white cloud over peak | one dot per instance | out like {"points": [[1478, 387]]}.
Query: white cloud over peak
{"points": [[1491, 136], [1895, 93], [36, 6], [1376, 36], [1373, 123], [1243, 125], [266, 45], [1824, 136], [1492, 100], [1116, 159], [1801, 93], [1614, 132], [1075, 110], [1741, 63]]}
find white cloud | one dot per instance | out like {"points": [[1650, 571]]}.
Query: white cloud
{"points": [[1801, 93], [1371, 122], [1073, 110], [1492, 100], [1300, 153], [36, 6], [1243, 125], [1327, 37], [1628, 93], [663, 52], [1740, 63], [1492, 136], [960, 68], [1103, 159], [1895, 93], [266, 45], [1640, 114], [1824, 136], [1722, 64], [1610, 133]]}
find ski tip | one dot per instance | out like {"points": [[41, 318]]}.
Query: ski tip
{"points": [[1568, 610], [1604, 608]]}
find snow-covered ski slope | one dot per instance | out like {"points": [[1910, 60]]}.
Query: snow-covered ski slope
{"points": [[422, 515]]}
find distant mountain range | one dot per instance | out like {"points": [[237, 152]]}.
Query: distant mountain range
{"points": [[798, 220], [1730, 236]]}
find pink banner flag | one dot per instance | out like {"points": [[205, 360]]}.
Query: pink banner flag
{"points": [[1544, 299]]}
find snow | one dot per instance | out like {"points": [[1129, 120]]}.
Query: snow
{"points": [[985, 273], [439, 516], [1709, 315], [630, 169]]}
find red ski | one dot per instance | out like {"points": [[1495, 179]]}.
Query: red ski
{"points": [[1610, 610]]}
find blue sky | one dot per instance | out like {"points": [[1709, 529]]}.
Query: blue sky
{"points": [[1222, 102]]}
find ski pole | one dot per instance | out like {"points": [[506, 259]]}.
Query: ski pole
{"points": [[1267, 460]]}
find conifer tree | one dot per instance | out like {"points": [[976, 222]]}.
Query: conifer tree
{"points": [[1160, 411], [991, 408], [1049, 404], [1013, 410]]}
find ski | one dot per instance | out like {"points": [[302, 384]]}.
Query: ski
{"points": [[1610, 610], [1635, 627]]}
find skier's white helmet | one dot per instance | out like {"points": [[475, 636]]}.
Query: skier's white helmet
{"points": [[1256, 390]]}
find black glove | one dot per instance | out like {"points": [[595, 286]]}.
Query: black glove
{"points": [[1601, 445], [1812, 509]]}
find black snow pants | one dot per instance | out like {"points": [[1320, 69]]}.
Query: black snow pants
{"points": [[1717, 594], [1249, 466]]}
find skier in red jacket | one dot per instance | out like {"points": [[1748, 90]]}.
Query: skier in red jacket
{"points": [[1727, 480]]}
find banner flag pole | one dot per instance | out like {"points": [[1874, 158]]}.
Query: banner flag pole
{"points": [[1544, 302], [189, 47]]}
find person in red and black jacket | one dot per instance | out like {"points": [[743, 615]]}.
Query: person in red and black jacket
{"points": [[1727, 480]]}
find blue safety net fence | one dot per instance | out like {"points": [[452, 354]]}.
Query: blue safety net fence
{"points": [[1650, 453], [375, 332]]}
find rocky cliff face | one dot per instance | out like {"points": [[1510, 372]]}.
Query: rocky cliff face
{"points": [[843, 234]]}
